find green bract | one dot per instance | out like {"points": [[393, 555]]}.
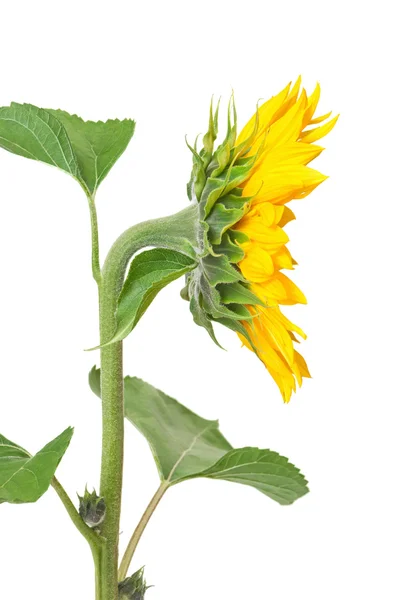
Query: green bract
{"points": [[216, 289]]}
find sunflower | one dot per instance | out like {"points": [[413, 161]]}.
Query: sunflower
{"points": [[242, 190]]}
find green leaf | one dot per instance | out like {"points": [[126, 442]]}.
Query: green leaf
{"points": [[149, 272], [182, 443], [186, 446], [265, 470], [85, 149], [35, 133], [25, 478], [97, 145], [94, 379]]}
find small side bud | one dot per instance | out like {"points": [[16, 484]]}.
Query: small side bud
{"points": [[134, 587], [185, 293], [92, 508]]}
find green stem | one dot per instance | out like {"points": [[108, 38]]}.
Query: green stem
{"points": [[112, 389], [177, 232], [95, 247], [170, 232], [98, 568], [96, 272], [138, 532]]}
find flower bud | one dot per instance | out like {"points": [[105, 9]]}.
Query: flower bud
{"points": [[134, 587], [92, 508]]}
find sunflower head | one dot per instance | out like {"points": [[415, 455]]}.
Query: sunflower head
{"points": [[241, 188]]}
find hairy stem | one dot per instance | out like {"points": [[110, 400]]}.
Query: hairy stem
{"points": [[112, 389], [176, 232], [96, 272], [98, 569], [171, 232], [138, 532], [95, 247]]}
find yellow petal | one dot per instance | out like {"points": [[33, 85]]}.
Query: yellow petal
{"points": [[287, 128], [257, 265], [308, 189], [267, 214], [265, 115], [282, 183], [303, 367], [270, 291], [296, 153], [274, 362], [312, 104], [274, 347], [288, 103], [296, 87], [282, 375], [269, 333], [287, 216], [291, 326], [282, 258], [320, 132], [293, 294], [297, 374], [280, 290], [317, 120], [254, 228]]}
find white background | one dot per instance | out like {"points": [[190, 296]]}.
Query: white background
{"points": [[350, 429]]}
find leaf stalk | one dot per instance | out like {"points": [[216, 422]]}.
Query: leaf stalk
{"points": [[138, 532]]}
